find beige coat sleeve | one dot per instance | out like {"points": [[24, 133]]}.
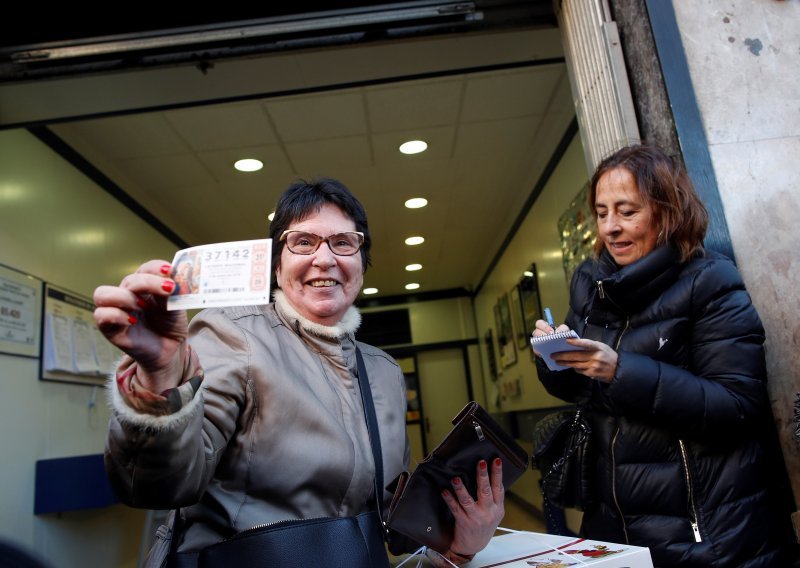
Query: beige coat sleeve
{"points": [[167, 461]]}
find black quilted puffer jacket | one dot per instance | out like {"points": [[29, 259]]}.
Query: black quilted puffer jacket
{"points": [[684, 438]]}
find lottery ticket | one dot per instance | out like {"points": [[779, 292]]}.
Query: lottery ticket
{"points": [[221, 274]]}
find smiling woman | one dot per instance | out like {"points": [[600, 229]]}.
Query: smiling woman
{"points": [[625, 220], [322, 283], [673, 376], [253, 414]]}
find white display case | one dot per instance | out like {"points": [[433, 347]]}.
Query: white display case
{"points": [[528, 549]]}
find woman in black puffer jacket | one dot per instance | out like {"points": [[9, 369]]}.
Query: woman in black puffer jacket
{"points": [[674, 376]]}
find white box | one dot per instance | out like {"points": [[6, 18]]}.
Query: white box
{"points": [[529, 549]]}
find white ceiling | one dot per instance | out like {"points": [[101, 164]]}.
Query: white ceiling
{"points": [[490, 134]]}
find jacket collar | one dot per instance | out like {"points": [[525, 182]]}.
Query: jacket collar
{"points": [[638, 284], [346, 326]]}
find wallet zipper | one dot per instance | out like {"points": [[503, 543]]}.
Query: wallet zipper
{"points": [[478, 431], [507, 455]]}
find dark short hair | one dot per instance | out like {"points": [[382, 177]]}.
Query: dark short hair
{"points": [[303, 198], [664, 184]]}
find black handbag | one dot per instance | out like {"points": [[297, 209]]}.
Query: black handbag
{"points": [[563, 453], [336, 542], [417, 509]]}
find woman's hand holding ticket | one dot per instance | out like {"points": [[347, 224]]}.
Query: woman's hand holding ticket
{"points": [[133, 317]]}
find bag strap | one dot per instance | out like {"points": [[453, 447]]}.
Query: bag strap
{"points": [[372, 429]]}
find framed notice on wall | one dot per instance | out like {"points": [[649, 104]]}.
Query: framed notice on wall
{"points": [[74, 350], [20, 313], [530, 301], [520, 333], [505, 332]]}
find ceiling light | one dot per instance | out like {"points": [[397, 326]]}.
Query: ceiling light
{"points": [[271, 216], [411, 241], [248, 165], [370, 290], [87, 237], [413, 147], [10, 193], [412, 286], [413, 267], [528, 273], [416, 202]]}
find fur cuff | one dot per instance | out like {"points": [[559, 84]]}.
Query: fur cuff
{"points": [[144, 409], [130, 417]]}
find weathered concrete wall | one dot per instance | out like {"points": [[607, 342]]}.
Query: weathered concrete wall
{"points": [[744, 59], [644, 74]]}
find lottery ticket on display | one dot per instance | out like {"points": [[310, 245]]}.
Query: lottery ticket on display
{"points": [[221, 274]]}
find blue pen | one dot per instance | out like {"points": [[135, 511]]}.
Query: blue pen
{"points": [[549, 316]]}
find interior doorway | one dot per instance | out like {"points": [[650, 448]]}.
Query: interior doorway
{"points": [[437, 388], [443, 388]]}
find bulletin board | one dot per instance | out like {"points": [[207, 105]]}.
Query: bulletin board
{"points": [[73, 349], [20, 313]]}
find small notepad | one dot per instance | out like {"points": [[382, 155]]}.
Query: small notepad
{"points": [[546, 345]]}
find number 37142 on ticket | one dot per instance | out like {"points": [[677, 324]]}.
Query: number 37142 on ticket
{"points": [[221, 274]]}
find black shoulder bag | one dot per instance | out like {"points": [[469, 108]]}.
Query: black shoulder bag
{"points": [[562, 451], [352, 542]]}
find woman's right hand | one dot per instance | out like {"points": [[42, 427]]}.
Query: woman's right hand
{"points": [[544, 328], [133, 316]]}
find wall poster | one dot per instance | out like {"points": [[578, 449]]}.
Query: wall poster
{"points": [[488, 342], [517, 315], [20, 313], [505, 332], [413, 406], [578, 232], [74, 350], [530, 301]]}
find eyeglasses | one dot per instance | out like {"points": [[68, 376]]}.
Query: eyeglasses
{"points": [[341, 244]]}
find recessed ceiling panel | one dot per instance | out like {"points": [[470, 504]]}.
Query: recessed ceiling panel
{"points": [[319, 116], [222, 127]]}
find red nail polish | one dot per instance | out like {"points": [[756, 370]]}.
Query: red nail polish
{"points": [[168, 285], [482, 464], [132, 320], [141, 303], [165, 268], [445, 493], [456, 481], [498, 462]]}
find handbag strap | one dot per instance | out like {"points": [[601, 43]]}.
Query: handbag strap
{"points": [[372, 429]]}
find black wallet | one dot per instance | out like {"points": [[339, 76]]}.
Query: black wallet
{"points": [[418, 510]]}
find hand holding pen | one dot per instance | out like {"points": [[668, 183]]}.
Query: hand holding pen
{"points": [[594, 359], [547, 327]]}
